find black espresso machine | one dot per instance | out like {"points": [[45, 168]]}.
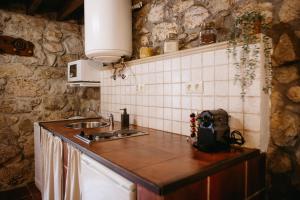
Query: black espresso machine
{"points": [[213, 131]]}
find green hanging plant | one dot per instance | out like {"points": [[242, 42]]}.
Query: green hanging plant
{"points": [[246, 31]]}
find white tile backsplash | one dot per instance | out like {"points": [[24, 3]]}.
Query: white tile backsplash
{"points": [[165, 103]]}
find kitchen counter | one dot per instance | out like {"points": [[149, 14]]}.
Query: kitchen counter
{"points": [[161, 162]]}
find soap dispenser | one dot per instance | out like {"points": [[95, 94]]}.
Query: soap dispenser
{"points": [[124, 119]]}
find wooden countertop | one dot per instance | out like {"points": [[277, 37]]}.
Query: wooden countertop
{"points": [[160, 161]]}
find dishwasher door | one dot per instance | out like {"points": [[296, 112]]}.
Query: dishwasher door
{"points": [[99, 182]]}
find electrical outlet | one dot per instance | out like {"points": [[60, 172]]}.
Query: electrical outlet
{"points": [[198, 87], [189, 88], [194, 87]]}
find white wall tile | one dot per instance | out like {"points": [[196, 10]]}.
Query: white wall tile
{"points": [[234, 88], [160, 101], [159, 89], [236, 121], [168, 101], [175, 64], [151, 67], [152, 112], [167, 65], [176, 113], [168, 113], [208, 103], [185, 76], [152, 122], [176, 102], [252, 105], [221, 57], [186, 62], [252, 122], [159, 66], [221, 73], [208, 74], [185, 115], [186, 102], [159, 77], [168, 89], [167, 77], [176, 127], [159, 113], [176, 76], [221, 88], [185, 129], [159, 125], [235, 104], [196, 60], [196, 74], [168, 125], [208, 88], [208, 58], [196, 103], [252, 139], [221, 102], [176, 89]]}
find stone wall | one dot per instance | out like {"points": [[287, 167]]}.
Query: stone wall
{"points": [[157, 18], [284, 147], [34, 89]]}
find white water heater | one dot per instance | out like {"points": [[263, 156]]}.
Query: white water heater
{"points": [[108, 29]]}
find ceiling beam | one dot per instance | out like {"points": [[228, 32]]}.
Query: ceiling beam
{"points": [[33, 6], [69, 7]]}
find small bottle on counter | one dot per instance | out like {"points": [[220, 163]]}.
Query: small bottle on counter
{"points": [[124, 119], [171, 43], [208, 34]]}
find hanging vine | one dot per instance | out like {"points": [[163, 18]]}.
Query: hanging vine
{"points": [[246, 32]]}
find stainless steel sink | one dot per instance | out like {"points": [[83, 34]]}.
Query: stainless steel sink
{"points": [[93, 124]]}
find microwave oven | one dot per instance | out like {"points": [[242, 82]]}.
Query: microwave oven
{"points": [[84, 71]]}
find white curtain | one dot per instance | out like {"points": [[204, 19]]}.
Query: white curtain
{"points": [[52, 166], [72, 190]]}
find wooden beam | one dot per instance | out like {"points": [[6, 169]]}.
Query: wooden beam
{"points": [[69, 8], [34, 5]]}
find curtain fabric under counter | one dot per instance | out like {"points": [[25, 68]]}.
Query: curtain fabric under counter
{"points": [[72, 190], [52, 166]]}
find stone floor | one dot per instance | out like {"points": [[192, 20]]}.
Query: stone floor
{"points": [[28, 192]]}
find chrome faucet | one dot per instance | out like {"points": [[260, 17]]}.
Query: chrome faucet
{"points": [[111, 121], [109, 118]]}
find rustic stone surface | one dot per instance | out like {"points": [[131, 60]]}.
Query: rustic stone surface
{"points": [[73, 45], [14, 106], [294, 94], [289, 11], [54, 103], [156, 13], [285, 128], [277, 101], [287, 75], [53, 33], [284, 50], [51, 58], [53, 47], [194, 17], [280, 162], [2, 83], [162, 30], [34, 89], [25, 88], [181, 6], [14, 70]]}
